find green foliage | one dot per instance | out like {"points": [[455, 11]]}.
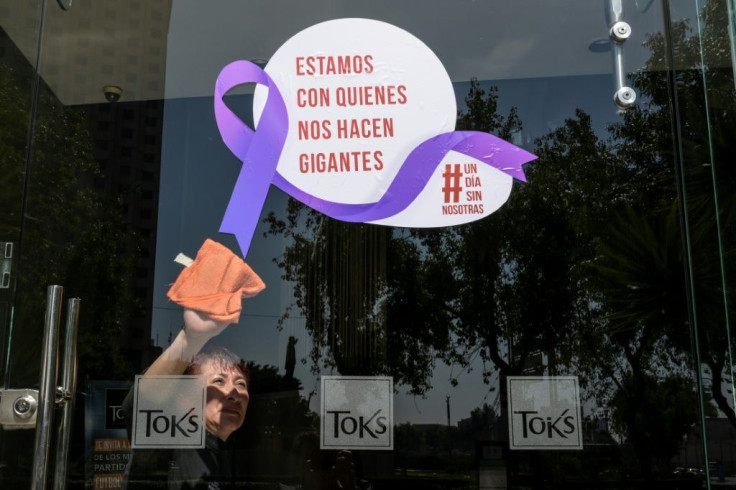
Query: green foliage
{"points": [[643, 269], [276, 416], [481, 423], [408, 285], [654, 414], [585, 262]]}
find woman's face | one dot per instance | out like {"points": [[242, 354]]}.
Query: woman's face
{"points": [[227, 399]]}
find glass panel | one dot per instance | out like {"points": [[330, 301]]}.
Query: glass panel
{"points": [[21, 24], [605, 271], [20, 27], [705, 92]]}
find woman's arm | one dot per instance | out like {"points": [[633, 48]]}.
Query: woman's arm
{"points": [[198, 329]]}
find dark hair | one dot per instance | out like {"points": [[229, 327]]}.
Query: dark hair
{"points": [[222, 358]]}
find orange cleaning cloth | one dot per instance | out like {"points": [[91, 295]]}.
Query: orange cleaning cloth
{"points": [[216, 283]]}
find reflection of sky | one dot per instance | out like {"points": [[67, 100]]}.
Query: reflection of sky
{"points": [[197, 177], [536, 52]]}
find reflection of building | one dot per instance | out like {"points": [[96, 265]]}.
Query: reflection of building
{"points": [[93, 45], [127, 147], [84, 49]]}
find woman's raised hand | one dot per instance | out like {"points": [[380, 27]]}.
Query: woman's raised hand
{"points": [[201, 327]]}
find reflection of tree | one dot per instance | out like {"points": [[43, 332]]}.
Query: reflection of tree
{"points": [[708, 156], [276, 415], [432, 447], [480, 424], [658, 420], [351, 291], [647, 323], [585, 263], [651, 248], [382, 300], [13, 128]]}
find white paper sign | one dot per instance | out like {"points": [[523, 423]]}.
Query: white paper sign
{"points": [[357, 412], [361, 88], [356, 119], [169, 412], [544, 412]]}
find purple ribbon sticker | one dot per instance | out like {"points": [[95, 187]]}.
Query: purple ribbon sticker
{"points": [[261, 149]]}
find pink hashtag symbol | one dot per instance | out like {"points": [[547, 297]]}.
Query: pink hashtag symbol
{"points": [[452, 183]]}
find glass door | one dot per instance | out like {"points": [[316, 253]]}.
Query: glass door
{"points": [[704, 97], [495, 239], [22, 23]]}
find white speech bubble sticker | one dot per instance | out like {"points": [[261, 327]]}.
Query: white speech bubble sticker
{"points": [[360, 95]]}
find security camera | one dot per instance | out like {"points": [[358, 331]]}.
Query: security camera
{"points": [[112, 93]]}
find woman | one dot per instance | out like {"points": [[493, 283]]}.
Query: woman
{"points": [[210, 289], [227, 379]]}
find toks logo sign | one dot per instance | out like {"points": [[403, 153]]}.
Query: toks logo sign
{"points": [[356, 119], [544, 412], [357, 412], [169, 412]]}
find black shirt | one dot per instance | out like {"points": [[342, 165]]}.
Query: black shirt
{"points": [[208, 468]]}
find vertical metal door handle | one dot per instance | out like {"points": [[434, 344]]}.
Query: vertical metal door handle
{"points": [[47, 392], [68, 390]]}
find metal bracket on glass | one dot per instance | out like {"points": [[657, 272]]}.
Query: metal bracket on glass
{"points": [[6, 262], [18, 409], [624, 96]]}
